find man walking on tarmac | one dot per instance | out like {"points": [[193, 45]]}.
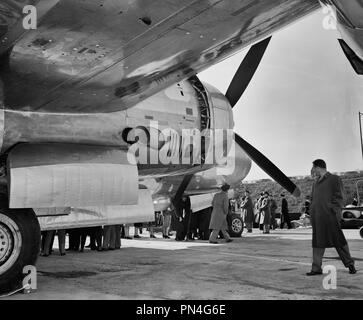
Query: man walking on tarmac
{"points": [[327, 201], [218, 220]]}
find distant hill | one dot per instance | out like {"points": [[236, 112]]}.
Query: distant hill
{"points": [[304, 183]]}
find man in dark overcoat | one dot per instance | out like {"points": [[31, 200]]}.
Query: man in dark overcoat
{"points": [[183, 212], [285, 218], [249, 216], [325, 210], [273, 207]]}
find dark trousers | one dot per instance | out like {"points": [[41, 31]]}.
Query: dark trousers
{"points": [[187, 225], [95, 238], [273, 223], [117, 237], [62, 240], [108, 235], [49, 239], [318, 254], [112, 237], [74, 239], [192, 226], [203, 224], [180, 230], [285, 219]]}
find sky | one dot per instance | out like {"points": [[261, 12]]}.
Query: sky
{"points": [[302, 103]]}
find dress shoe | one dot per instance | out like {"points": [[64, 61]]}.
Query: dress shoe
{"points": [[352, 270], [137, 236], [213, 242], [166, 237], [229, 240], [314, 273], [152, 236]]}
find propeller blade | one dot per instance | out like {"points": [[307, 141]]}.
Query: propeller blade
{"points": [[267, 166], [183, 186], [246, 71]]}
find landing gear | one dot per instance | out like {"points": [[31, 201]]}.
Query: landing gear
{"points": [[19, 245]]}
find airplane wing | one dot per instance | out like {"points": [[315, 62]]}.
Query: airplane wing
{"points": [[90, 56]]}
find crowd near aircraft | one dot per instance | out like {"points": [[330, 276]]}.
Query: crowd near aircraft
{"points": [[103, 119]]}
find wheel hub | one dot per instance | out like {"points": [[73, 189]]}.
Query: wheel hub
{"points": [[10, 243], [236, 225], [6, 243]]}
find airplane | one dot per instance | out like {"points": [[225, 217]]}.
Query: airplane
{"points": [[96, 79]]}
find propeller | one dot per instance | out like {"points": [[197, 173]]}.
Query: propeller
{"points": [[238, 86], [267, 166], [246, 71]]}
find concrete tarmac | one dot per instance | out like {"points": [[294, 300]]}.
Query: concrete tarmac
{"points": [[255, 266]]}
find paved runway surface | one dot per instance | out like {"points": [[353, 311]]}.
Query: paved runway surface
{"points": [[255, 266]]}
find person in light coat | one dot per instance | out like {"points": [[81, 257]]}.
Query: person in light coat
{"points": [[219, 215], [265, 218]]}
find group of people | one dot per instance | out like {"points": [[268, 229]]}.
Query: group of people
{"points": [[190, 225], [264, 212], [101, 239]]}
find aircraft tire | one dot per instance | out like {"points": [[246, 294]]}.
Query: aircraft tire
{"points": [[235, 226], [19, 246], [361, 232]]}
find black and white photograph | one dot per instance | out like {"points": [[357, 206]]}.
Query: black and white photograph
{"points": [[186, 151]]}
